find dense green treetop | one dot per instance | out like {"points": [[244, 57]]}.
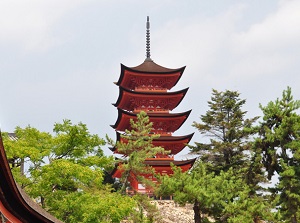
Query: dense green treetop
{"points": [[65, 173], [224, 197], [136, 148], [228, 131], [279, 145]]}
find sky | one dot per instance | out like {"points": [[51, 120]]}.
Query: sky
{"points": [[59, 58]]}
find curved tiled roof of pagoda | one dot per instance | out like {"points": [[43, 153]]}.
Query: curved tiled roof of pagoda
{"points": [[167, 162], [130, 76], [15, 205], [161, 166], [175, 144], [164, 166], [170, 121], [150, 66], [129, 100]]}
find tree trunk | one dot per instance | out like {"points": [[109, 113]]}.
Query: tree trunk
{"points": [[22, 167], [256, 219], [43, 202], [124, 183], [294, 219], [197, 215]]}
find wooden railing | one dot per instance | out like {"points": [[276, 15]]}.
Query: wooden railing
{"points": [[150, 89], [157, 110]]}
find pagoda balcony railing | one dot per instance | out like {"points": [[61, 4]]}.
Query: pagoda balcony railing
{"points": [[151, 89], [162, 157], [149, 110], [161, 133], [131, 192]]}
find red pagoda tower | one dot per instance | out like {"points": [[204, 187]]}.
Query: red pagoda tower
{"points": [[146, 88]]}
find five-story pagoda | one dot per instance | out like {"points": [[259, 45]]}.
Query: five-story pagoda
{"points": [[146, 88]]}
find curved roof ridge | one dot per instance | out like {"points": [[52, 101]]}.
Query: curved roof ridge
{"points": [[149, 66], [161, 138], [167, 162], [156, 114], [184, 90]]}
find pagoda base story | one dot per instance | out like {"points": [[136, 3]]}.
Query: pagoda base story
{"points": [[161, 166]]}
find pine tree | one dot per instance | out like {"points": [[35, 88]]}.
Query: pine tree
{"points": [[136, 146], [223, 197], [231, 147], [228, 131], [279, 145]]}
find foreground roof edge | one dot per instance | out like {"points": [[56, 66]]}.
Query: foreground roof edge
{"points": [[15, 200]]}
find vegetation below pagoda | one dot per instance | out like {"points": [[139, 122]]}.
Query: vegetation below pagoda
{"points": [[67, 172]]}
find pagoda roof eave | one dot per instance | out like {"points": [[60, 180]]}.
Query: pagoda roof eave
{"points": [[157, 114], [154, 92], [163, 140], [15, 200], [152, 67], [159, 163], [178, 163], [175, 138]]}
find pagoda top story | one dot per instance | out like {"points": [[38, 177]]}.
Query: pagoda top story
{"points": [[160, 77], [149, 74]]}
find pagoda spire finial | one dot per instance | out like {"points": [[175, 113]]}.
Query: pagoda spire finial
{"points": [[148, 40]]}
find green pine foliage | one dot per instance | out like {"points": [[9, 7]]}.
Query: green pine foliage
{"points": [[189, 187], [136, 148], [228, 131], [67, 168], [229, 138], [218, 198], [279, 145], [225, 183]]}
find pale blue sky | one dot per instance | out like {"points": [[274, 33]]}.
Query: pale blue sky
{"points": [[59, 58]]}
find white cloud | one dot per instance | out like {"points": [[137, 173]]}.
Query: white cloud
{"points": [[196, 41], [28, 24], [277, 30], [219, 55], [256, 66], [268, 47], [215, 45]]}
